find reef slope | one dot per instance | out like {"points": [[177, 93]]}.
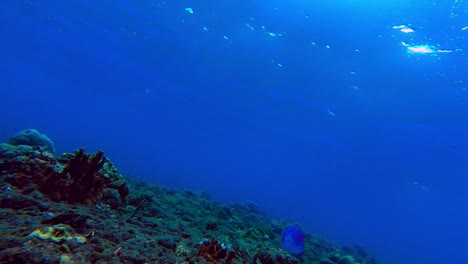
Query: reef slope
{"points": [[76, 208]]}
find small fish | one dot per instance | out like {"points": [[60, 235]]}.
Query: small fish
{"points": [[331, 113]]}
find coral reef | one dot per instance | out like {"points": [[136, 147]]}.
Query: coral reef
{"points": [[33, 138], [76, 208], [81, 181], [74, 178]]}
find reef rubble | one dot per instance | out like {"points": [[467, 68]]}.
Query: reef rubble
{"points": [[76, 208]]}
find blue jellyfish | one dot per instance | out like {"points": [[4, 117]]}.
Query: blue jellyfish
{"points": [[292, 240]]}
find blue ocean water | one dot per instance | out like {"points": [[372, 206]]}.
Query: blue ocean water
{"points": [[349, 118]]}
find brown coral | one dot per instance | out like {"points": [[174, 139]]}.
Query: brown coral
{"points": [[213, 252], [79, 181], [75, 178], [82, 180]]}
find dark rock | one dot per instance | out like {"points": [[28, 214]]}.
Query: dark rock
{"points": [[211, 226], [18, 202], [75, 220], [167, 243]]}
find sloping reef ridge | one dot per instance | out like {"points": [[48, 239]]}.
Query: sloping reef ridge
{"points": [[76, 208]]}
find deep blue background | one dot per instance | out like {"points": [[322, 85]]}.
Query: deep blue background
{"points": [[184, 107]]}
